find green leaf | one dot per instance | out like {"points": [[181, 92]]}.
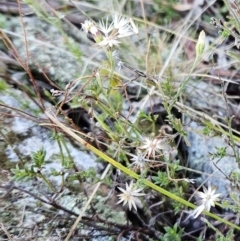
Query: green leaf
{"points": [[39, 157]]}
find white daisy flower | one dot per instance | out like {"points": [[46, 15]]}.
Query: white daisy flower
{"points": [[105, 27], [119, 21], [207, 200], [152, 146], [125, 31], [89, 26], [109, 41], [138, 161], [108, 33], [130, 196]]}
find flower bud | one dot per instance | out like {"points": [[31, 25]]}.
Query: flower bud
{"points": [[200, 43]]}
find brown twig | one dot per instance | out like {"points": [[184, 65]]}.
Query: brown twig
{"points": [[6, 232]]}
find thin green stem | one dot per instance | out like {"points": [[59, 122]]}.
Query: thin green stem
{"points": [[67, 150], [61, 150], [47, 182], [183, 85]]}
